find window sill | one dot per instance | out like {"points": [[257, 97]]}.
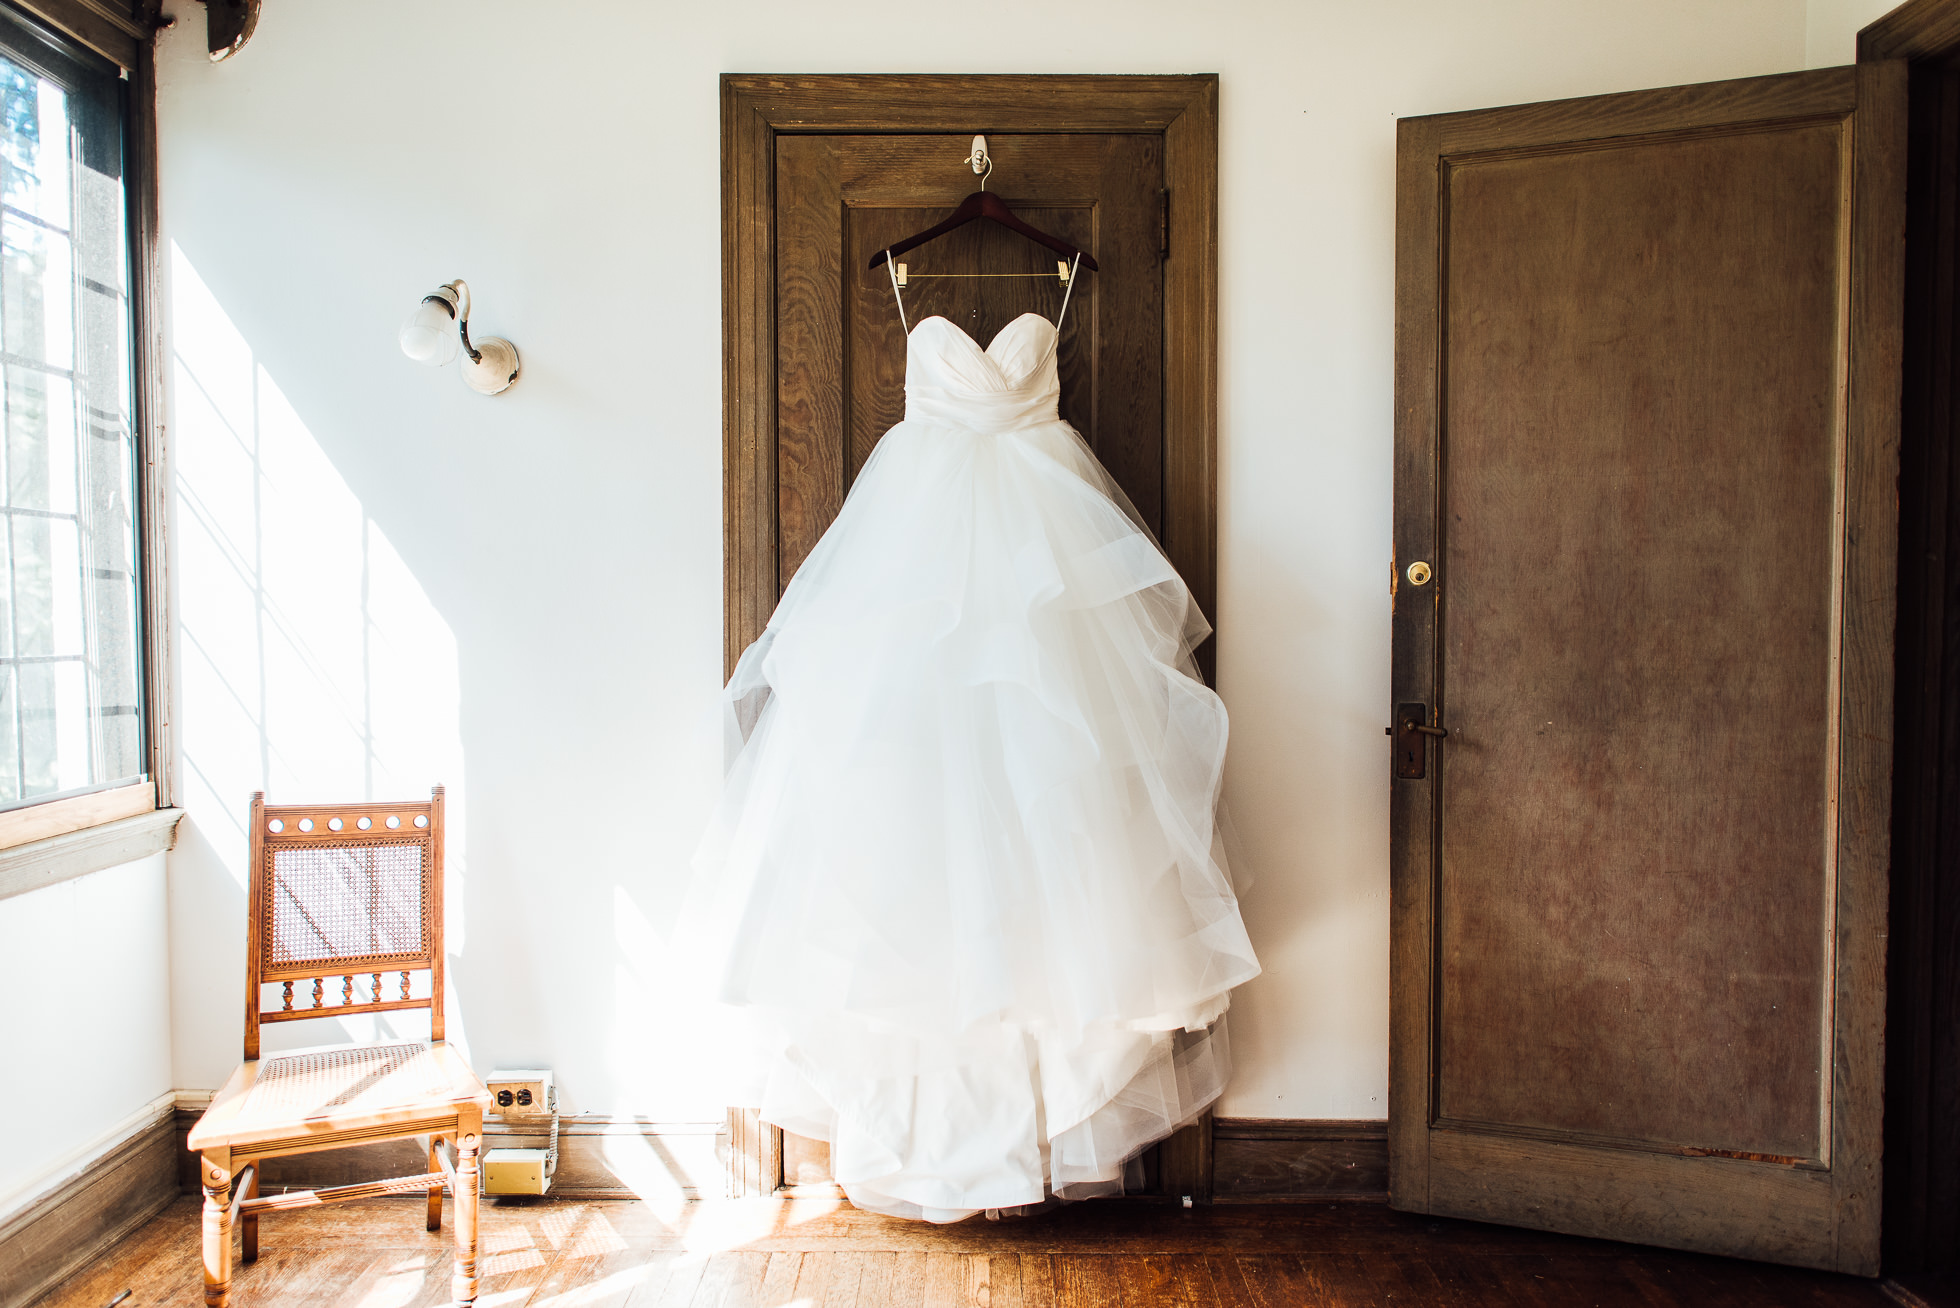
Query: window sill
{"points": [[49, 862]]}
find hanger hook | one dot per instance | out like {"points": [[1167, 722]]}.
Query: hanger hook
{"points": [[981, 161]]}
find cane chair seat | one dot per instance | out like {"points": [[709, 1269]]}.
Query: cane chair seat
{"points": [[315, 1097]]}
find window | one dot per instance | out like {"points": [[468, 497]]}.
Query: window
{"points": [[71, 676]]}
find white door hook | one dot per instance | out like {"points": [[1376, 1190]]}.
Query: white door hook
{"points": [[978, 158]]}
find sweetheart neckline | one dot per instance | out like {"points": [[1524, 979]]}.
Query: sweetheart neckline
{"points": [[986, 349]]}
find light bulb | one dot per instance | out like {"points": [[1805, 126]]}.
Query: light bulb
{"points": [[429, 334]]}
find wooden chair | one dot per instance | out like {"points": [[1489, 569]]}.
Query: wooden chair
{"points": [[342, 890]]}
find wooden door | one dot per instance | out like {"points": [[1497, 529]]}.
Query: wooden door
{"points": [[1646, 444], [820, 172]]}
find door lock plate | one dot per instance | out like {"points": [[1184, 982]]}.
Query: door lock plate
{"points": [[1411, 746]]}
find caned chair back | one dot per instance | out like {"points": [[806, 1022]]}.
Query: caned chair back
{"points": [[347, 897]]}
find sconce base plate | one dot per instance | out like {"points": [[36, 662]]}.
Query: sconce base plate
{"points": [[496, 370]]}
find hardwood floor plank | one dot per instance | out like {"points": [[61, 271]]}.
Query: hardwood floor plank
{"points": [[1337, 1278], [874, 1285], [945, 1280], [1802, 1289], [1318, 1281], [1400, 1282], [1037, 1280], [1004, 1280], [1536, 1281], [1228, 1282], [158, 1264], [979, 1273], [779, 1277], [410, 1278], [1494, 1279], [732, 1280], [605, 1280], [908, 1281], [1193, 1281], [813, 1277], [841, 1275], [1655, 1285], [1086, 1281], [1261, 1283], [1154, 1282], [676, 1289], [601, 1259]]}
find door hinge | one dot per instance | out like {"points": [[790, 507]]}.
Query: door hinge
{"points": [[1163, 224]]}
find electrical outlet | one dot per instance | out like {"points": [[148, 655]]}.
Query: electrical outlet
{"points": [[522, 1092], [522, 1095]]}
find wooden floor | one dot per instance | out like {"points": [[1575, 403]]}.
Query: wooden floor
{"points": [[821, 1254]]}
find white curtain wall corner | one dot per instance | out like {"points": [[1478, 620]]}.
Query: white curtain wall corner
{"points": [[385, 581]]}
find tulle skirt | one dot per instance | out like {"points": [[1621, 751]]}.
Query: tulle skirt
{"points": [[966, 869]]}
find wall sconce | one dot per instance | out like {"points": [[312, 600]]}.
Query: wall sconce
{"points": [[489, 366]]}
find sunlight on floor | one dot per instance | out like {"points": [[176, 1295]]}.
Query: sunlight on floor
{"points": [[717, 1227]]}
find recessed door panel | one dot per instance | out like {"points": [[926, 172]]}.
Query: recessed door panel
{"points": [[1640, 452]]}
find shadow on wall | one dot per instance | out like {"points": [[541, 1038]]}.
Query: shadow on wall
{"points": [[310, 665]]}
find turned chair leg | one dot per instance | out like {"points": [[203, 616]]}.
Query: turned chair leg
{"points": [[435, 1191], [248, 1224], [462, 1285], [217, 1234]]}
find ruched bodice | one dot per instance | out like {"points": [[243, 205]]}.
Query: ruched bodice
{"points": [[1009, 384]]}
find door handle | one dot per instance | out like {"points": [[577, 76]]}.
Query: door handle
{"points": [[1411, 750]]}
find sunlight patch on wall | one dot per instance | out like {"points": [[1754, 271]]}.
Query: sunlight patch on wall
{"points": [[311, 663]]}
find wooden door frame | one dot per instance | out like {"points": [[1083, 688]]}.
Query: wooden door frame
{"points": [[1630, 1199], [1922, 1087], [756, 108]]}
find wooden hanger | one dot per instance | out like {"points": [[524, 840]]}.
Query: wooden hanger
{"points": [[984, 204]]}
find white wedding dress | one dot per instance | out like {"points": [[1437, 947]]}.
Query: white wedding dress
{"points": [[965, 869]]}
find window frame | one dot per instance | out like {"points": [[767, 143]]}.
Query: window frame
{"points": [[129, 43]]}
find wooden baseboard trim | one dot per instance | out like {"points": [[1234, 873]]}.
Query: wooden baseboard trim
{"points": [[1253, 1160], [1221, 1160], [1267, 1160], [599, 1157], [101, 1200]]}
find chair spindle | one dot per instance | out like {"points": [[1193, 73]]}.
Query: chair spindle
{"points": [[287, 996], [319, 991], [404, 985], [347, 989]]}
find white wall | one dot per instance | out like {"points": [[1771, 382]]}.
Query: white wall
{"points": [[1831, 29], [384, 580], [85, 1021]]}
